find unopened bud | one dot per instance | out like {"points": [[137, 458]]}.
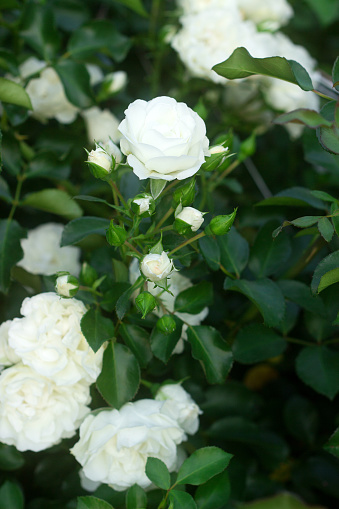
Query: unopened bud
{"points": [[220, 225], [166, 325], [188, 220], [184, 194], [88, 274], [116, 235], [145, 302], [100, 163], [217, 157], [66, 286], [143, 205]]}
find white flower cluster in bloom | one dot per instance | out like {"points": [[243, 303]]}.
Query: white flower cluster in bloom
{"points": [[114, 444], [43, 254], [44, 393], [213, 29], [177, 283]]}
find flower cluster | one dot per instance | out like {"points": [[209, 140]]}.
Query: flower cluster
{"points": [[114, 444], [44, 390]]}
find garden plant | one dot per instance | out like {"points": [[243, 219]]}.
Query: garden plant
{"points": [[169, 254]]}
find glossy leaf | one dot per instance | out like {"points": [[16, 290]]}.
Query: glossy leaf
{"points": [[305, 221], [256, 343], [119, 379], [194, 299], [265, 294], [55, 201], [92, 503], [268, 254], [234, 252], [327, 11], [214, 493], [294, 197], [96, 328], [326, 273], [210, 250], [326, 229], [241, 65], [13, 93], [39, 31], [162, 345], [311, 118], [317, 366], [158, 473], [124, 300], [329, 139], [138, 341], [157, 186], [202, 465], [300, 293], [81, 227], [11, 496], [10, 250], [76, 82], [136, 498], [212, 351], [181, 500]]}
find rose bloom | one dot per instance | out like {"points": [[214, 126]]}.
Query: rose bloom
{"points": [[7, 354], [114, 444], [48, 339], [112, 150], [35, 413], [163, 139], [43, 254], [177, 283], [100, 158], [101, 125], [180, 406], [47, 93], [156, 267], [192, 217]]}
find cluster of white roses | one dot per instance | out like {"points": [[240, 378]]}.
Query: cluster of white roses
{"points": [[114, 444], [213, 29], [49, 367]]}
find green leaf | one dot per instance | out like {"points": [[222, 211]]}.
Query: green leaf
{"points": [[10, 458], [241, 65], [96, 328], [294, 197], [13, 93], [317, 366], [55, 201], [324, 196], [76, 82], [332, 445], [92, 503], [311, 118], [212, 351], [157, 186], [48, 165], [210, 250], [300, 293], [111, 297], [326, 229], [99, 35], [335, 73], [119, 379], [305, 221], [265, 294], [202, 465], [181, 500], [10, 250], [158, 473], [136, 498], [163, 345], [5, 194], [301, 419], [281, 501], [81, 227], [234, 252], [268, 254], [125, 299], [329, 139], [214, 493], [39, 31], [11, 496], [138, 341], [327, 11], [256, 343], [135, 5], [194, 299], [326, 273]]}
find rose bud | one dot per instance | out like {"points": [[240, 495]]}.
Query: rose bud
{"points": [[220, 225], [116, 235], [166, 325], [143, 203], [145, 302], [66, 286], [192, 219], [100, 163]]}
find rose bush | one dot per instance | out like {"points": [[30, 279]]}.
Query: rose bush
{"points": [[163, 139]]}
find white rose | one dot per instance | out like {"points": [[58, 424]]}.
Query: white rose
{"points": [[156, 267], [163, 139], [112, 150], [35, 413], [269, 14], [43, 254], [66, 286], [180, 406], [86, 483], [192, 217], [116, 80], [7, 354], [100, 158], [101, 125], [143, 203], [95, 74], [49, 339], [114, 444], [47, 93]]}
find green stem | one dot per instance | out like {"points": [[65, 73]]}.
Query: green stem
{"points": [[229, 274], [331, 341], [132, 247], [305, 259], [188, 241], [299, 341], [224, 174], [15, 202], [322, 95], [163, 219], [116, 194]]}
